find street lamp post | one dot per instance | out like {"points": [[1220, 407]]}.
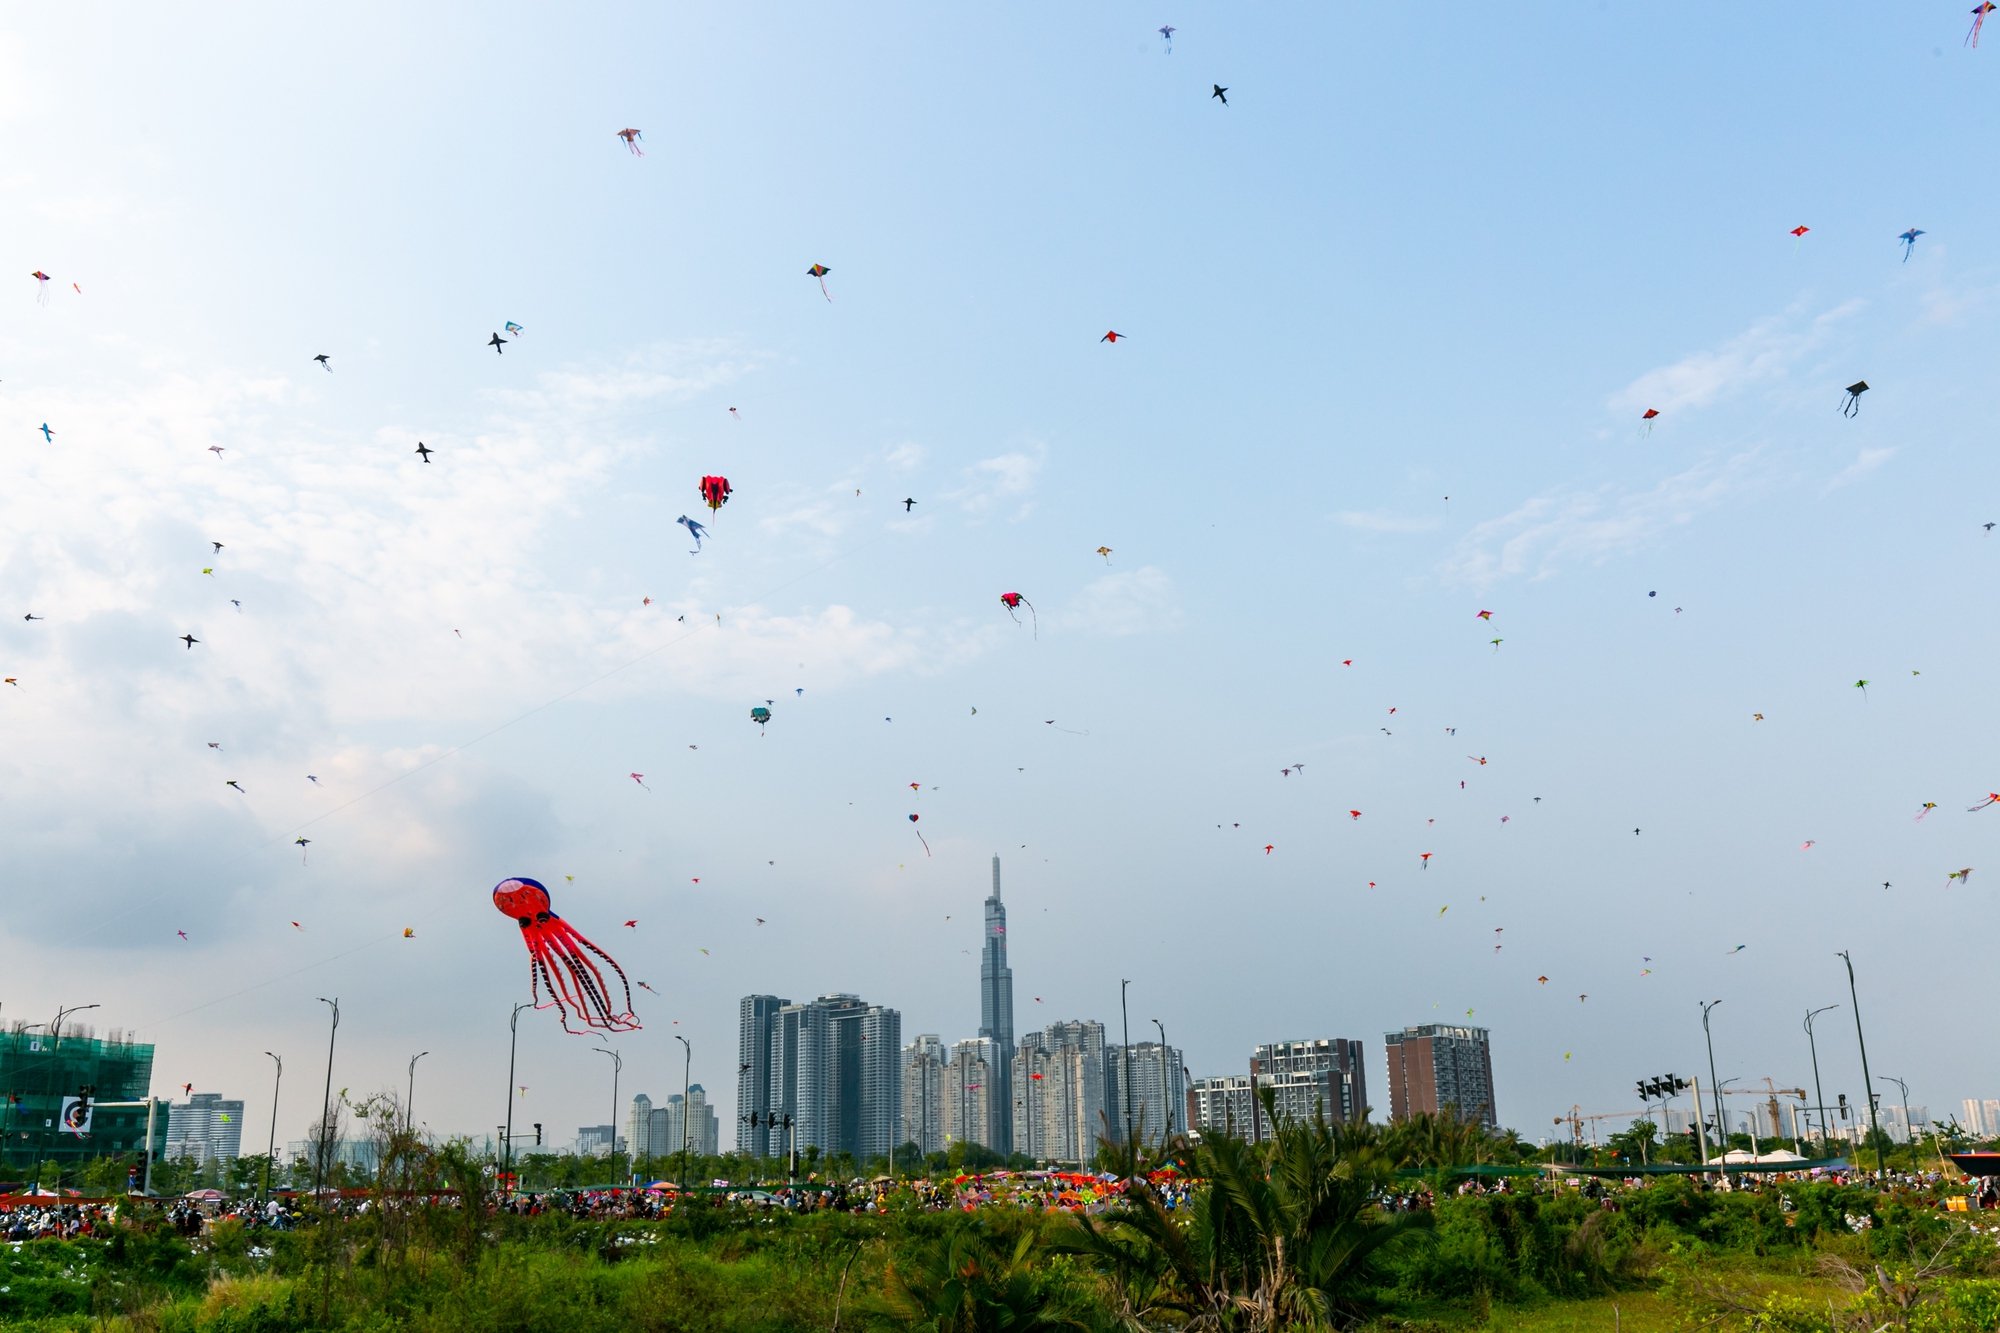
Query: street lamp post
{"points": [[271, 1148], [1908, 1129], [326, 1144], [1721, 1126], [410, 1100], [1125, 1059], [687, 1074], [1867, 1083], [617, 1068], [507, 1132], [1819, 1097], [1164, 1067], [55, 1072]]}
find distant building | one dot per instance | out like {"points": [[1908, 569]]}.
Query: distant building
{"points": [[1434, 1067], [834, 1066], [1220, 1105], [996, 1013], [592, 1141], [1144, 1082], [1319, 1077], [696, 1120], [972, 1093], [756, 1024], [923, 1093], [205, 1127], [1058, 1092], [639, 1133], [1982, 1118], [40, 1074]]}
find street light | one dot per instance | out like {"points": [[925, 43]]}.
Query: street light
{"points": [[617, 1068], [507, 1131], [1909, 1129], [1819, 1097], [410, 1101], [55, 1072], [271, 1148], [1721, 1126], [1164, 1067], [1867, 1083], [326, 1104], [687, 1073], [1125, 1060]]}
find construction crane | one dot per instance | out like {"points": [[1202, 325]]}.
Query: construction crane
{"points": [[1772, 1093], [1577, 1116]]}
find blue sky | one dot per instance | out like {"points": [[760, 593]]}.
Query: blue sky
{"points": [[1421, 254]]}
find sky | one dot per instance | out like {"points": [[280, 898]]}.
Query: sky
{"points": [[1389, 321]]}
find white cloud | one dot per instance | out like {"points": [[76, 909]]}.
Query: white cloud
{"points": [[1767, 350], [1866, 462], [905, 456], [993, 481], [1137, 601], [1593, 525], [1377, 521]]}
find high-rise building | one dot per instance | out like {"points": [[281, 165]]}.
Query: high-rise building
{"points": [[43, 1076], [973, 1093], [996, 1011], [923, 1093], [833, 1066], [205, 1128], [1221, 1105], [1982, 1117], [755, 1134], [1435, 1067], [1058, 1092], [639, 1127], [1145, 1083], [593, 1141], [1319, 1077]]}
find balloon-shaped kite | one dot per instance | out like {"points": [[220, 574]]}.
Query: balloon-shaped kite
{"points": [[920, 836], [556, 960], [1013, 601], [715, 492], [760, 715]]}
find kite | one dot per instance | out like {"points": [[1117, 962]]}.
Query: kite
{"points": [[409, 932], [300, 843], [1268, 846], [1477, 760], [513, 328], [639, 778], [695, 530], [210, 572], [631, 138], [1798, 232], [920, 836], [760, 715], [1862, 685], [1756, 717], [820, 271], [232, 782], [1496, 644], [215, 449], [1963, 877], [190, 640], [1218, 94], [215, 745], [324, 363], [1909, 238], [1444, 909], [1347, 661], [1991, 798], [1581, 998], [1807, 844], [423, 452], [908, 505], [1484, 615], [1973, 39], [1543, 980], [1105, 551], [42, 287], [1646, 421], [1426, 858], [1851, 405], [733, 413], [714, 492], [632, 925], [32, 616], [1167, 32], [48, 436], [1928, 807], [1113, 337], [556, 959], [1354, 814], [10, 680], [497, 343], [1013, 601], [310, 778], [1738, 949]]}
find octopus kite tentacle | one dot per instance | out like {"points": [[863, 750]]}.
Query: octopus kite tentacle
{"points": [[558, 962]]}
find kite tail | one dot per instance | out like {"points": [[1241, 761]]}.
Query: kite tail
{"points": [[920, 838], [1034, 619], [823, 291]]}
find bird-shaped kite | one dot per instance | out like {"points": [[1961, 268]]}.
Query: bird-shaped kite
{"points": [[1862, 685], [1851, 405], [632, 925], [1979, 13], [1113, 336], [631, 138], [695, 530], [1167, 31], [1928, 807], [1756, 717], [1496, 644], [48, 436], [820, 271], [325, 363], [497, 343], [908, 504], [41, 288], [1909, 238], [1991, 798], [423, 452], [1013, 601], [1217, 95], [714, 492], [639, 778], [557, 959], [301, 843], [215, 449], [31, 616], [190, 640], [1963, 877], [232, 782], [1425, 857]]}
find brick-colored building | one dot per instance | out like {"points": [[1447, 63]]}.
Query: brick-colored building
{"points": [[1435, 1066]]}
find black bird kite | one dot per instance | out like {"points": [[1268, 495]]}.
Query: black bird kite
{"points": [[1219, 91], [31, 616], [323, 363], [190, 640], [1852, 405], [426, 453], [908, 504], [496, 342]]}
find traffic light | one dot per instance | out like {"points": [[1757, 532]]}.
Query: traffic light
{"points": [[538, 1134], [83, 1096], [1844, 1112]]}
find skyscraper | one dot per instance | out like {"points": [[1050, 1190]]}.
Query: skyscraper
{"points": [[973, 1093], [754, 1133], [833, 1066], [1152, 1075], [1319, 1077], [1058, 1092], [205, 1127], [996, 1012], [1433, 1067], [923, 1093]]}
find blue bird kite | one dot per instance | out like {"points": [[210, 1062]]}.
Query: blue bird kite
{"points": [[695, 530], [1909, 240]]}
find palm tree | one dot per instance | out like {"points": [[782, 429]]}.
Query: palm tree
{"points": [[976, 1278]]}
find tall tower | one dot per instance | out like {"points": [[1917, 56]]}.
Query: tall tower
{"points": [[996, 1006]]}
